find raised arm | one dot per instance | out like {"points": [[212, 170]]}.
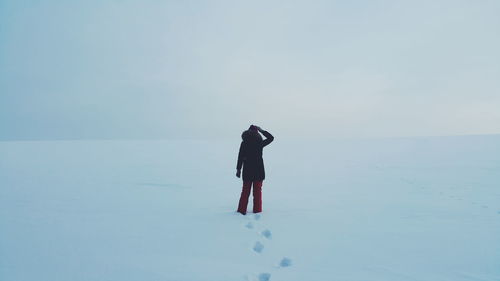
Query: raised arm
{"points": [[269, 137]]}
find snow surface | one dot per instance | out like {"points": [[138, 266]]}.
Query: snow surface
{"points": [[380, 209]]}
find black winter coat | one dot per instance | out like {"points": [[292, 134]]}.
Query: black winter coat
{"points": [[250, 157]]}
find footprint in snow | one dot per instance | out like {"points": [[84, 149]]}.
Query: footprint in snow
{"points": [[258, 247], [267, 233], [285, 262], [249, 225], [264, 277], [256, 217]]}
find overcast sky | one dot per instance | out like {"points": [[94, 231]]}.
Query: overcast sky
{"points": [[196, 69]]}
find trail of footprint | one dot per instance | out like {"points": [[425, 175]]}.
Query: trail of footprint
{"points": [[259, 247]]}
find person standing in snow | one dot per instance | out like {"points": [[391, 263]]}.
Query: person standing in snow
{"points": [[250, 158]]}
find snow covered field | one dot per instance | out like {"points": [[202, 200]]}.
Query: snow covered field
{"points": [[361, 210]]}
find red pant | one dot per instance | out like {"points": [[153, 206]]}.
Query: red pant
{"points": [[257, 197]]}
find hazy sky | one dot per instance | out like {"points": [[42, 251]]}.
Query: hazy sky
{"points": [[194, 69]]}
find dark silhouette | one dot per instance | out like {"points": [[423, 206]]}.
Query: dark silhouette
{"points": [[250, 158]]}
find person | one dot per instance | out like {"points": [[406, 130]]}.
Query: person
{"points": [[250, 158]]}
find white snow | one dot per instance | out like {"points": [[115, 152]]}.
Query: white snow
{"points": [[380, 209]]}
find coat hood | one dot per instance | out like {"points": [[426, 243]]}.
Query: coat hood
{"points": [[251, 136]]}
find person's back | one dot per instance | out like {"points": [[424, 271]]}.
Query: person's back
{"points": [[253, 149], [250, 158]]}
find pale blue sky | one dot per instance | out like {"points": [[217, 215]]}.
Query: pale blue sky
{"points": [[195, 69]]}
